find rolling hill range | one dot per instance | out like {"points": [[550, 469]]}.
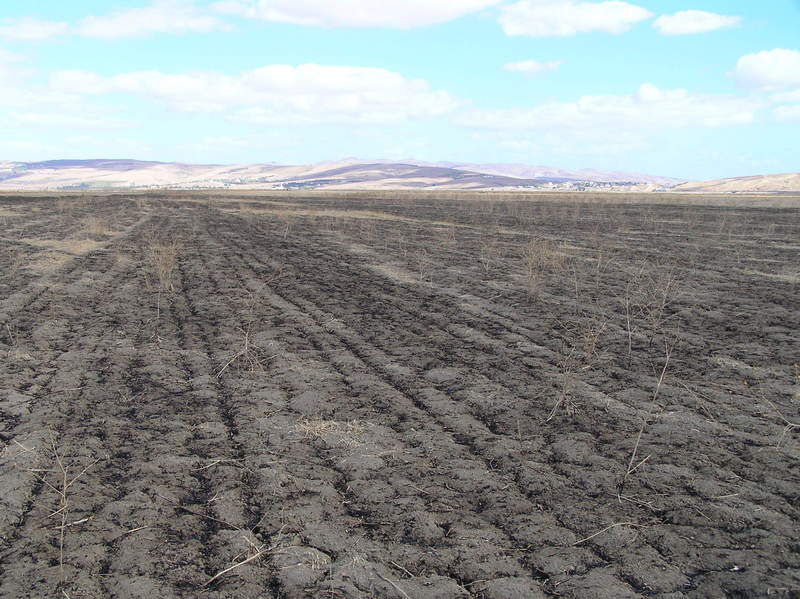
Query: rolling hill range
{"points": [[355, 173], [345, 174], [757, 184]]}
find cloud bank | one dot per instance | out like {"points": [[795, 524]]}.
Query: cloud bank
{"points": [[554, 18], [393, 14]]}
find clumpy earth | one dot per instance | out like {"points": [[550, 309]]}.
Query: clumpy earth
{"points": [[593, 397]]}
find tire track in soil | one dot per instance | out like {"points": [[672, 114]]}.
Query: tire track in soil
{"points": [[314, 255], [25, 298], [344, 521], [200, 544], [665, 556], [356, 344], [60, 415], [764, 441], [200, 329], [80, 415], [194, 350]]}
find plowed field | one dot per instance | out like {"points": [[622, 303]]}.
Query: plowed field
{"points": [[241, 397]]}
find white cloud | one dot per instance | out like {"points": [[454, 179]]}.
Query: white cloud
{"points": [[30, 29], [687, 22], [394, 14], [82, 120], [532, 68], [608, 124], [790, 96], [162, 16], [787, 114], [307, 93], [769, 70], [648, 109], [551, 18], [26, 103], [7, 57]]}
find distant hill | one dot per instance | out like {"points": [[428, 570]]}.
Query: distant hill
{"points": [[758, 183], [526, 171], [345, 174]]}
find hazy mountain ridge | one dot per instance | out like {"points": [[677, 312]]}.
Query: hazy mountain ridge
{"points": [[757, 183], [353, 173], [125, 173], [527, 171]]}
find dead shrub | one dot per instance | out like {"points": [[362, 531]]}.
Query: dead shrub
{"points": [[95, 226], [581, 353], [162, 258], [16, 259], [248, 356], [332, 432], [541, 256], [489, 255]]}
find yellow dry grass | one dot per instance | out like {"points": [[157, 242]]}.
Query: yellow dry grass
{"points": [[59, 252], [75, 247], [786, 277], [394, 273], [332, 213], [96, 226], [332, 432]]}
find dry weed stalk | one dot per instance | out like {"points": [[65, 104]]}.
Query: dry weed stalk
{"points": [[61, 487], [424, 265], [95, 226], [539, 257], [583, 354], [252, 553], [162, 258], [248, 356], [788, 426], [16, 258], [633, 464], [488, 255], [286, 221], [348, 434], [607, 528], [648, 293]]}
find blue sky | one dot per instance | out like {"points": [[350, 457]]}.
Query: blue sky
{"points": [[696, 89]]}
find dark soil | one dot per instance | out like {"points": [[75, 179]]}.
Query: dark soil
{"points": [[367, 398]]}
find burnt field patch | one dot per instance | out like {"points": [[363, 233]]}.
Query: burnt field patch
{"points": [[288, 396]]}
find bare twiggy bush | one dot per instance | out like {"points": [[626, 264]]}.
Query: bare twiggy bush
{"points": [[788, 425], [489, 255], [285, 223], [661, 291], [253, 552], [248, 356], [95, 226], [60, 479], [367, 230], [16, 260], [65, 206], [602, 262], [424, 265], [646, 298], [448, 235], [539, 257], [634, 463], [581, 353], [162, 258]]}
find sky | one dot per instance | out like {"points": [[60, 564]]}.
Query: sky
{"points": [[694, 89]]}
